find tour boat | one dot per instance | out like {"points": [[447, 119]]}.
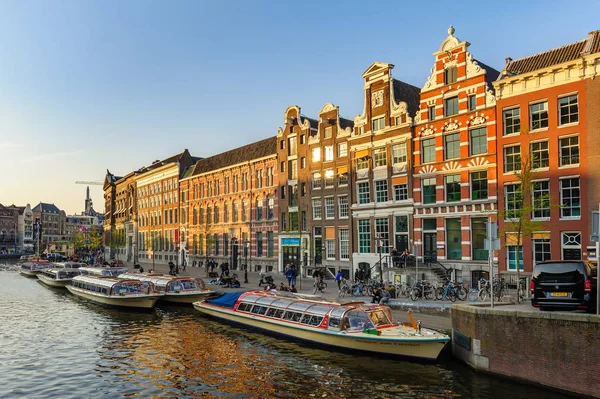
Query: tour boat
{"points": [[68, 265], [353, 326], [103, 271], [32, 268], [113, 291], [176, 289], [58, 277]]}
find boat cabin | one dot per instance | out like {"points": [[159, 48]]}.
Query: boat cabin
{"points": [[167, 284], [109, 286], [61, 274], [103, 271]]}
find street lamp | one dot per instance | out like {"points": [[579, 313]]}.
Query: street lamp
{"points": [[246, 248], [379, 248]]}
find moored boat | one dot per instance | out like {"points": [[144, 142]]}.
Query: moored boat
{"points": [[103, 271], [352, 326], [176, 289], [32, 268], [58, 277], [68, 265], [113, 291]]}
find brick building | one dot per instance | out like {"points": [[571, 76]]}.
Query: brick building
{"points": [[52, 222], [542, 113], [382, 203], [454, 167], [9, 225], [229, 209]]}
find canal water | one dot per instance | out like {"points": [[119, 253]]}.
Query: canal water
{"points": [[54, 345]]}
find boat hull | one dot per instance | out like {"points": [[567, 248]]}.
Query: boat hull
{"points": [[30, 273], [52, 282], [137, 301], [428, 349], [184, 298]]}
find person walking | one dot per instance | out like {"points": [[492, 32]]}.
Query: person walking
{"points": [[288, 274], [294, 275], [338, 278], [184, 265]]}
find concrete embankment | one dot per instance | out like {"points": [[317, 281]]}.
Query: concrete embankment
{"points": [[557, 349]]}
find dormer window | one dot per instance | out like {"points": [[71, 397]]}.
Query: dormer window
{"points": [[450, 75], [378, 124]]}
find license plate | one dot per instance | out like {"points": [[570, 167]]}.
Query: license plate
{"points": [[559, 294]]}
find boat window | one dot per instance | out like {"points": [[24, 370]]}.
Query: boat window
{"points": [[334, 322], [244, 307], [281, 303], [257, 309], [318, 309], [175, 287], [189, 285], [311, 319], [275, 313], [358, 320], [250, 298], [266, 301], [338, 312], [379, 318], [292, 316], [300, 306]]}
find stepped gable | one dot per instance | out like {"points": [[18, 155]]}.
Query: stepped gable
{"points": [[259, 149], [405, 92]]}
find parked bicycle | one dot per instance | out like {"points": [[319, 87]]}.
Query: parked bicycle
{"points": [[422, 289], [319, 286], [450, 290], [521, 290], [481, 292], [345, 288]]}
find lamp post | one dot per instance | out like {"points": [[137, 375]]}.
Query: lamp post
{"points": [[246, 248], [379, 248]]}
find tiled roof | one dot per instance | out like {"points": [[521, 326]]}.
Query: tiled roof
{"points": [[46, 208], [555, 56], [238, 155], [407, 93], [344, 123]]}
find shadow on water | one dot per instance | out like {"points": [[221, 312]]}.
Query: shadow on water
{"points": [[61, 346]]}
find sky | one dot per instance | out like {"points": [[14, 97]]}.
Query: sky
{"points": [[87, 86]]}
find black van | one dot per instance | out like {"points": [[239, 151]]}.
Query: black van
{"points": [[564, 284]]}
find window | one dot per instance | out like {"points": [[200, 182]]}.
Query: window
{"points": [[225, 244], [478, 141], [216, 214], [216, 244], [378, 124], [428, 150], [259, 178], [330, 249], [571, 246], [452, 188], [541, 250], [329, 178], [429, 190], [292, 172], [303, 189], [328, 153], [512, 251], [450, 106], [362, 163], [400, 192], [512, 158], [283, 221], [259, 209], [453, 239], [259, 244], [382, 235], [569, 150], [316, 154], [512, 120], [539, 155], [302, 139], [234, 211], [302, 163], [270, 244], [316, 208], [363, 193], [293, 221], [344, 244], [329, 208], [342, 150], [513, 200], [281, 144], [431, 112], [381, 191], [292, 148], [452, 146], [343, 206], [538, 116], [450, 75], [316, 180], [360, 130], [342, 178], [293, 195], [270, 208], [568, 110], [570, 198], [328, 132], [226, 213], [380, 157], [399, 153], [244, 211], [401, 242], [209, 217], [270, 177], [281, 167], [478, 229], [472, 100], [479, 185]]}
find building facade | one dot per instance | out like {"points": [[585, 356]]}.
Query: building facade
{"points": [[542, 114], [229, 208], [455, 162], [25, 240], [9, 227], [52, 223], [379, 161]]}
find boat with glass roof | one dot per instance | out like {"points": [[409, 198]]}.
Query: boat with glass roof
{"points": [[58, 277], [114, 291], [102, 271], [33, 267], [175, 289], [353, 326]]}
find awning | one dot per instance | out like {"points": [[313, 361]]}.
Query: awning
{"points": [[330, 233], [342, 170], [399, 180], [541, 234], [511, 239], [361, 154]]}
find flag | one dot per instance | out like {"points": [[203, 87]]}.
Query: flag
{"points": [[81, 229]]}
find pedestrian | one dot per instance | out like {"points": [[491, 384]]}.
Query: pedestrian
{"points": [[338, 277], [294, 274], [288, 274], [184, 265], [212, 265], [171, 267], [395, 257], [403, 258]]}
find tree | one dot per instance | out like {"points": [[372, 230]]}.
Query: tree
{"points": [[95, 237], [117, 240]]}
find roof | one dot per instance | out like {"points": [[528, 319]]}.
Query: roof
{"points": [[555, 56], [46, 208], [259, 149], [405, 92], [313, 122], [345, 123], [491, 74]]}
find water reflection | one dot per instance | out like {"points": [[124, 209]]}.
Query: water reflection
{"points": [[60, 346]]}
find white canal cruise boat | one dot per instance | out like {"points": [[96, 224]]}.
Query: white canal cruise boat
{"points": [[354, 326], [176, 289], [58, 277], [102, 271], [113, 291], [32, 268]]}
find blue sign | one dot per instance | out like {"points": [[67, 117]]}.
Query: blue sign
{"points": [[290, 241]]}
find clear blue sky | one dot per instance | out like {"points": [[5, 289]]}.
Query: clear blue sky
{"points": [[91, 85]]}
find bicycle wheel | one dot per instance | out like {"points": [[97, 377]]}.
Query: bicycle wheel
{"points": [[461, 293], [369, 290], [429, 293], [473, 295], [407, 292], [323, 286], [483, 294], [315, 288], [520, 296], [356, 291], [452, 295], [415, 294], [439, 293]]}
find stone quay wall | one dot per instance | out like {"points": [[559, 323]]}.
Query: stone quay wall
{"points": [[559, 350]]}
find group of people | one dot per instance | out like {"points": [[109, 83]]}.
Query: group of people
{"points": [[382, 295], [399, 259], [291, 273]]}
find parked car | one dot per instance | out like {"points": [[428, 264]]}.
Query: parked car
{"points": [[564, 284]]}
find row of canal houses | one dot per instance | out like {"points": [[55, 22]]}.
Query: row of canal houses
{"points": [[420, 169]]}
